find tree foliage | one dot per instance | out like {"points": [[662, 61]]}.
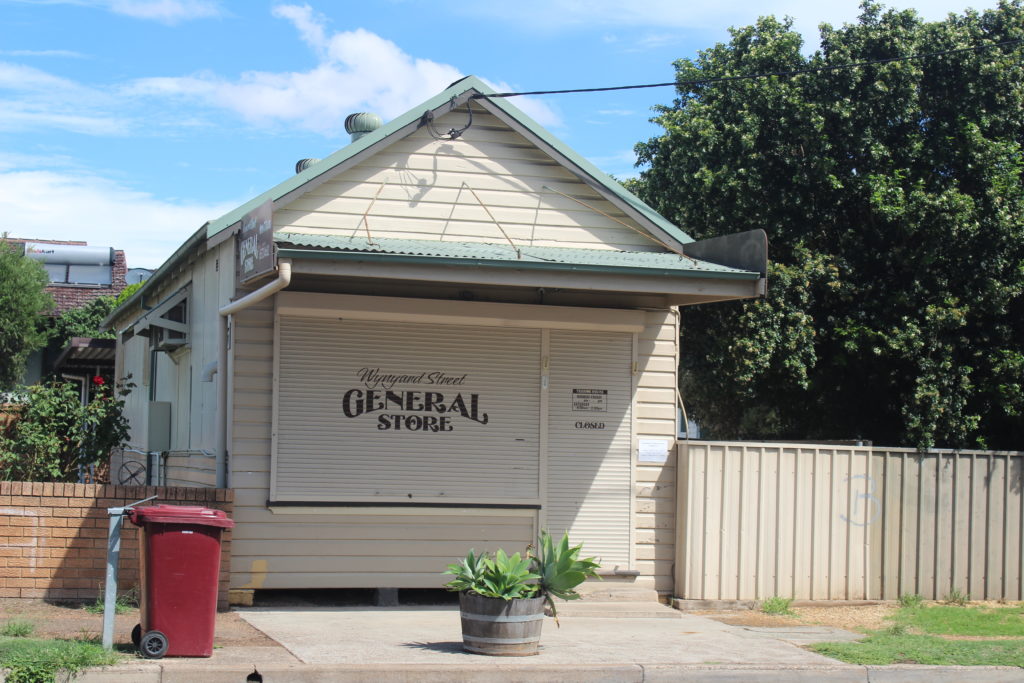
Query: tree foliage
{"points": [[84, 321], [24, 304], [87, 320], [893, 199]]}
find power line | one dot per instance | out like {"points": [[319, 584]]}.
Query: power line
{"points": [[767, 74]]}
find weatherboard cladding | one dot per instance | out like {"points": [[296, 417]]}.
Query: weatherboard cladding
{"points": [[455, 98], [655, 262]]}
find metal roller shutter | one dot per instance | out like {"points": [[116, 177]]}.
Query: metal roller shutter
{"points": [[590, 442], [399, 412]]}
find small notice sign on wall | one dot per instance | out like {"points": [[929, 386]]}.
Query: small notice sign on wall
{"points": [[652, 450], [590, 400]]}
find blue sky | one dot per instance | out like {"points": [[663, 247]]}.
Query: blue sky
{"points": [[129, 123]]}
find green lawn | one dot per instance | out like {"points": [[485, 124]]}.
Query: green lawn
{"points": [[916, 638], [965, 621], [31, 660], [882, 648]]}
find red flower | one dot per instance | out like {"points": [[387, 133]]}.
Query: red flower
{"points": [[98, 381]]}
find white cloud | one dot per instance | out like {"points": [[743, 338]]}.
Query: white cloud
{"points": [[43, 53], [39, 100], [614, 163], [356, 70], [56, 203], [166, 11], [561, 15]]}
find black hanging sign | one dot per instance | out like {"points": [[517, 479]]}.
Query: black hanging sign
{"points": [[255, 253]]}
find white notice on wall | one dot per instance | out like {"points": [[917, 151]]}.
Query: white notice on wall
{"points": [[653, 450]]}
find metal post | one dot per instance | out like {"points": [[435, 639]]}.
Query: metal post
{"points": [[110, 591], [113, 557]]}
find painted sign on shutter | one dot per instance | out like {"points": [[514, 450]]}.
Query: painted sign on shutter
{"points": [[422, 408], [407, 412]]}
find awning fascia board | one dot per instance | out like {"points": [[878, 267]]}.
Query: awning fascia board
{"points": [[480, 313], [706, 287]]}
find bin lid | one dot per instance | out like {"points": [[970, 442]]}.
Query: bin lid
{"points": [[180, 514]]}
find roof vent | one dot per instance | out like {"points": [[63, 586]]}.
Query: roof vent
{"points": [[302, 164], [358, 125]]}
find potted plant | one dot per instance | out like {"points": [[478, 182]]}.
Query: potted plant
{"points": [[502, 597]]}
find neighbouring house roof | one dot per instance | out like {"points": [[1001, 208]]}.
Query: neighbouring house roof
{"points": [[86, 352], [456, 95], [490, 254]]}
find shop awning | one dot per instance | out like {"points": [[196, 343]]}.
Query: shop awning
{"points": [[678, 278]]}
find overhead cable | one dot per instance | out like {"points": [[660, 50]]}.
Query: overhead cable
{"points": [[767, 74]]}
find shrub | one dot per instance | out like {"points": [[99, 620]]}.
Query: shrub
{"points": [[56, 435]]}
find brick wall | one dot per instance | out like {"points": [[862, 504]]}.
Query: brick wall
{"points": [[53, 537], [66, 297]]}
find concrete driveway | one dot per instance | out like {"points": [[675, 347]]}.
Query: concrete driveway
{"points": [[424, 635]]}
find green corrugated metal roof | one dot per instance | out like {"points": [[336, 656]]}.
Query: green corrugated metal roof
{"points": [[486, 253], [457, 89]]}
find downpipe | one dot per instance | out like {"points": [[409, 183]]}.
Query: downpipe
{"points": [[284, 278]]}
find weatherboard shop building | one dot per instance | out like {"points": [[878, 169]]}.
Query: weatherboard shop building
{"points": [[450, 334]]}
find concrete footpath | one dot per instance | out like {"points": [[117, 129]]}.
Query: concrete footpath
{"points": [[424, 644]]}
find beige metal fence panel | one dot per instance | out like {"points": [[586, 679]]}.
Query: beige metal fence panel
{"points": [[824, 522]]}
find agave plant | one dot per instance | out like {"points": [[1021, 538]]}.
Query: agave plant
{"points": [[499, 576], [554, 571], [561, 569]]}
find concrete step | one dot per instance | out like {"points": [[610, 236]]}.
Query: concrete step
{"points": [[636, 609], [611, 591]]}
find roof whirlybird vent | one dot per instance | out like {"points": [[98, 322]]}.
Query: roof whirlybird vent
{"points": [[358, 125], [302, 164]]}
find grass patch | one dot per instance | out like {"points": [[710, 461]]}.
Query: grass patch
{"points": [[17, 628], [122, 605], [882, 648], [915, 638], [911, 600], [965, 621], [39, 661], [957, 598], [778, 606]]}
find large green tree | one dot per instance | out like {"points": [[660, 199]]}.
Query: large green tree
{"points": [[893, 199], [24, 304]]}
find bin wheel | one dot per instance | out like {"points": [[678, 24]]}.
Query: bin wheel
{"points": [[153, 645], [137, 635]]}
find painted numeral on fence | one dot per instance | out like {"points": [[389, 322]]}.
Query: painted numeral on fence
{"points": [[871, 505]]}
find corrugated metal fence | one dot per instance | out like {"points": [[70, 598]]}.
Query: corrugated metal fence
{"points": [[818, 522]]}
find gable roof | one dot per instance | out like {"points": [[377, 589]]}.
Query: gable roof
{"points": [[456, 95]]}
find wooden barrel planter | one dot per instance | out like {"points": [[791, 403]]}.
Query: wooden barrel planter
{"points": [[501, 628]]}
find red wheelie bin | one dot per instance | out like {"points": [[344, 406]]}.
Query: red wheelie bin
{"points": [[180, 570]]}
